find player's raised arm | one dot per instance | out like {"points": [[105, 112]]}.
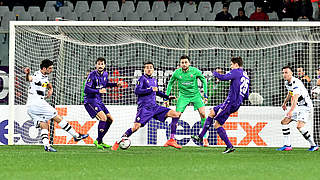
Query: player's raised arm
{"points": [[225, 77], [27, 72]]}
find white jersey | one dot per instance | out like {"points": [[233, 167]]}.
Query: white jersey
{"points": [[37, 89], [296, 87]]}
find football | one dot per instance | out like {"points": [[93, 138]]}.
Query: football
{"points": [[125, 143], [255, 99], [315, 92]]}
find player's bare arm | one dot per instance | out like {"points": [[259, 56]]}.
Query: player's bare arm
{"points": [[102, 90], [293, 104], [27, 72], [286, 100], [50, 90]]}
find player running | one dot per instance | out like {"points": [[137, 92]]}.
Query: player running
{"points": [[301, 107], [187, 77], [147, 90], [96, 84], [39, 109], [239, 90]]}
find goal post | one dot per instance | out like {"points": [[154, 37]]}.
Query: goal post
{"points": [[75, 45]]}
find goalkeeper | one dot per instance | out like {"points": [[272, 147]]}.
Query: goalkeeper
{"points": [[187, 77]]}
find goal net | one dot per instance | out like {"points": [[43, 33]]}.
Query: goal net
{"points": [[74, 47]]}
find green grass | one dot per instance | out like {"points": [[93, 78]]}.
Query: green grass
{"points": [[86, 162]]}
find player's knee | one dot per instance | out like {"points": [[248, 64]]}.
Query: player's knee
{"points": [[110, 118], [176, 114]]}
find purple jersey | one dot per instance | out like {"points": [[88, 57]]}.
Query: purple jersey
{"points": [[94, 83], [146, 96], [239, 86]]}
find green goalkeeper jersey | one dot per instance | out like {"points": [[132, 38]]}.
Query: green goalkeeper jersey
{"points": [[187, 82]]}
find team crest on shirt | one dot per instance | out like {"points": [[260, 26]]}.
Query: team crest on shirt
{"points": [[96, 108], [148, 81], [191, 75], [104, 78], [44, 84], [138, 118]]}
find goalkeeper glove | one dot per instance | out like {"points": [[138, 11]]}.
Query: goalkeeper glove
{"points": [[205, 98], [166, 103]]}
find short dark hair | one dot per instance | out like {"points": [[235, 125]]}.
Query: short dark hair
{"points": [[147, 62], [185, 57], [46, 63], [101, 59], [287, 67], [237, 60]]}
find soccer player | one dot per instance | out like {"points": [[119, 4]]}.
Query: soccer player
{"points": [[239, 90], [187, 77], [95, 86], [301, 106], [38, 108], [147, 90]]}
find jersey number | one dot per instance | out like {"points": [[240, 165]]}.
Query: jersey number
{"points": [[244, 86]]}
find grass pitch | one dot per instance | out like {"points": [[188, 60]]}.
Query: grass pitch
{"points": [[87, 162]]}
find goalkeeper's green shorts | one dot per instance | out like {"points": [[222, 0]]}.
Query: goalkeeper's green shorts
{"points": [[183, 102]]}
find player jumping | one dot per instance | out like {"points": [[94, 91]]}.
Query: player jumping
{"points": [[96, 84], [39, 109], [187, 77], [147, 90], [301, 106], [239, 90]]}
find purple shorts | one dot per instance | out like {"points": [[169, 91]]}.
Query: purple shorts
{"points": [[145, 114], [223, 111], [94, 108]]}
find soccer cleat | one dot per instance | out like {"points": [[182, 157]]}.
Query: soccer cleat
{"points": [[80, 137], [197, 138], [228, 150], [285, 148], [99, 146], [314, 148], [205, 142], [49, 149], [105, 145], [173, 143], [115, 146]]}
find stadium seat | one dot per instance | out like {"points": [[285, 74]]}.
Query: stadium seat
{"points": [[112, 6], [18, 10], [194, 17], [3, 11], [117, 16], [189, 8], [204, 7], [52, 14], [142, 7], [70, 16], [273, 16], [164, 16], [127, 7], [39, 16], [173, 8], [9, 16], [33, 10], [209, 16], [287, 19], [86, 16], [24, 16], [315, 13], [81, 6], [157, 7], [249, 8], [217, 7], [148, 16], [64, 11], [101, 16], [179, 16], [233, 8], [69, 5], [96, 6], [133, 16], [50, 4]]}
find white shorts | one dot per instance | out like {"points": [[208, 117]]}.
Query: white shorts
{"points": [[41, 113], [301, 113]]}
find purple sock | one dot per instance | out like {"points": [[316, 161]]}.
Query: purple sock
{"points": [[108, 124], [173, 126], [206, 126], [101, 131], [127, 133], [223, 135]]}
